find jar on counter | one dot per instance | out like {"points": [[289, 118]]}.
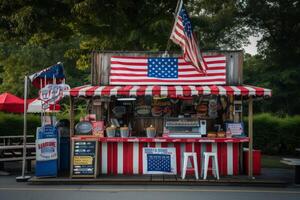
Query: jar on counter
{"points": [[151, 131]]}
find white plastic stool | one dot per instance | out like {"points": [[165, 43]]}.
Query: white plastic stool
{"points": [[215, 167], [186, 156]]}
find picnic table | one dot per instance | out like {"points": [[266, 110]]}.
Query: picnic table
{"points": [[11, 149], [296, 163]]}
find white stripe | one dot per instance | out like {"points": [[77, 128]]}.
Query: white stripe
{"points": [[267, 92], [206, 90], [222, 90], [133, 90], [193, 90], [120, 158], [229, 159], [148, 90], [114, 91], [157, 144], [179, 91], [163, 90], [211, 59], [130, 60], [135, 158], [251, 90], [236, 90], [97, 92], [83, 90], [182, 150], [104, 157]]}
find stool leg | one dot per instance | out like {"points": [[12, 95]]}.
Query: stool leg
{"points": [[216, 167], [185, 159], [206, 159], [195, 166]]}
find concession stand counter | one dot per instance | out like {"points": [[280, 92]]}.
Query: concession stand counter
{"points": [[145, 126]]}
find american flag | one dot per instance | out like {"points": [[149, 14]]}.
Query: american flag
{"points": [[159, 162], [126, 70], [182, 34]]}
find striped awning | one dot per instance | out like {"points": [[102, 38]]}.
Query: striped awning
{"points": [[170, 91]]}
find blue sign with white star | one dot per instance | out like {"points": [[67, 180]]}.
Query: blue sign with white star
{"points": [[163, 67]]}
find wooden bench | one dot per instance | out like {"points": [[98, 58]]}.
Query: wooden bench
{"points": [[11, 149], [296, 163]]}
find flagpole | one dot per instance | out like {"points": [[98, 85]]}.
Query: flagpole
{"points": [[179, 5], [24, 178]]}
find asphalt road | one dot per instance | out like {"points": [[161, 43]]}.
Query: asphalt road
{"points": [[10, 190]]}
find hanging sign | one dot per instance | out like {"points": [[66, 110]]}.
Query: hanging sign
{"points": [[159, 161], [52, 93]]}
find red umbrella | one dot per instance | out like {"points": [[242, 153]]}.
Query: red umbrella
{"points": [[11, 103]]}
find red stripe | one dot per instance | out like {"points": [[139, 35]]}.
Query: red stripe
{"points": [[109, 157], [156, 90], [178, 157], [90, 92], [129, 63], [214, 89], [152, 144], [141, 90], [129, 158], [141, 146], [115, 158], [197, 149], [186, 91], [100, 157], [224, 159], [171, 91], [229, 90], [125, 157], [164, 144], [235, 156], [74, 92], [125, 90], [220, 158]]}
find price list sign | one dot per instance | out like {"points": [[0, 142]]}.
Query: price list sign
{"points": [[84, 158]]}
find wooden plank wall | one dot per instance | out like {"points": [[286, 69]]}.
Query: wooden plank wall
{"points": [[101, 64]]}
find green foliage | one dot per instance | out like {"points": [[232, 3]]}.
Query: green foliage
{"points": [[277, 21], [12, 124], [276, 135]]}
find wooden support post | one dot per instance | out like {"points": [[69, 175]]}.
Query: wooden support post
{"points": [[72, 116], [72, 122], [250, 135]]}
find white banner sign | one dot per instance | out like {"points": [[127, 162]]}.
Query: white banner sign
{"points": [[46, 149], [159, 161]]}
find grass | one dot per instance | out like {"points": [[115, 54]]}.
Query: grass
{"points": [[273, 162]]}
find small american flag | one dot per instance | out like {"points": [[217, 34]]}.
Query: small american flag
{"points": [[126, 70], [182, 34], [159, 162]]}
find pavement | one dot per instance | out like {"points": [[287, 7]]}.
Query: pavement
{"points": [[12, 190]]}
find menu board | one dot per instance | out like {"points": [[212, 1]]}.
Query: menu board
{"points": [[84, 158]]}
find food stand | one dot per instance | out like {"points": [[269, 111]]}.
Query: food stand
{"points": [[134, 119]]}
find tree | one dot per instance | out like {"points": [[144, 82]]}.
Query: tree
{"points": [[277, 21]]}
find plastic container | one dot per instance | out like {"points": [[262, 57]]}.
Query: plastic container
{"points": [[124, 132], [111, 131], [151, 132]]}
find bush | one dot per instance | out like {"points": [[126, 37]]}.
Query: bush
{"points": [[12, 124], [276, 135]]}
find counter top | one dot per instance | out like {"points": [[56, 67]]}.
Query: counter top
{"points": [[160, 139]]}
